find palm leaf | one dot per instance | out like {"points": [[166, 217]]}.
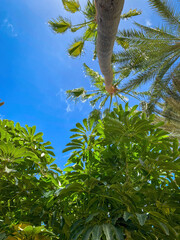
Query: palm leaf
{"points": [[71, 5], [130, 14], [166, 11], [76, 48], [60, 25]]}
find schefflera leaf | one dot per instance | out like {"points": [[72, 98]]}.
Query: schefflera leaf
{"points": [[71, 5], [142, 218], [60, 25], [111, 232], [76, 49], [96, 232]]}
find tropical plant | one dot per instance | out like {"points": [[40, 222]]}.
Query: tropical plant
{"points": [[61, 25], [149, 54], [122, 181], [26, 174], [99, 95], [122, 178], [152, 53], [101, 28]]}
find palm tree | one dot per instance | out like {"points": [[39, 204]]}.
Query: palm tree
{"points": [[99, 95], [101, 23], [152, 53], [108, 17]]}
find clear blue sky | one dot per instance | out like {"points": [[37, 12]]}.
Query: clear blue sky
{"points": [[35, 69]]}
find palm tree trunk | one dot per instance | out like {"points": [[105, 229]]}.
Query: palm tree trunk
{"points": [[108, 18]]}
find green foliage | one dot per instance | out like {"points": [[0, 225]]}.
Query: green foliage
{"points": [[25, 231], [131, 13], [165, 10], [76, 49], [89, 25], [27, 173], [71, 5], [169, 111], [121, 181], [99, 95], [60, 25], [152, 55], [122, 178]]}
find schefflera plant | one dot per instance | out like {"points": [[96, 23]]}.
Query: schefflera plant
{"points": [[27, 174], [122, 181]]}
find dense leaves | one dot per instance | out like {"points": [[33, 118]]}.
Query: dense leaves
{"points": [[122, 178], [27, 173], [121, 181], [152, 55]]}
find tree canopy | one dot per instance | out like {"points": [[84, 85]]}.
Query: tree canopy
{"points": [[121, 181]]}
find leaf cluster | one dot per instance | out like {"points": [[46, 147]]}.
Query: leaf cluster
{"points": [[89, 24], [98, 95], [26, 173], [122, 179]]}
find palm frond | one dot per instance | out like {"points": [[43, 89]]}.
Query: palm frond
{"points": [[157, 32], [131, 13], [76, 93], [101, 105], [171, 125], [96, 79], [95, 100], [166, 66], [71, 5], [176, 78], [60, 25], [90, 10], [166, 11]]}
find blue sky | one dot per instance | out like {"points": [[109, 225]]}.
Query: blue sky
{"points": [[35, 69]]}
